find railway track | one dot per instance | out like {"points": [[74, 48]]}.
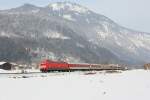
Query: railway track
{"points": [[29, 74], [53, 73], [18, 73]]}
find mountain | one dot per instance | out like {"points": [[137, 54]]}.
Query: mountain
{"points": [[71, 32]]}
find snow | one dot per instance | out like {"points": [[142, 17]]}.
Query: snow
{"points": [[44, 54], [87, 20], [3, 34], [55, 6], [132, 42], [141, 40], [102, 35], [132, 49], [35, 10], [128, 85], [79, 9], [17, 71], [68, 6], [55, 35], [68, 17], [72, 59], [138, 40], [80, 45], [138, 43], [2, 62], [106, 27]]}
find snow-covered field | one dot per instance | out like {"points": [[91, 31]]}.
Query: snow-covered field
{"points": [[128, 85]]}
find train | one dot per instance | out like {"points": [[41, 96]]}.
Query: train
{"points": [[49, 65]]}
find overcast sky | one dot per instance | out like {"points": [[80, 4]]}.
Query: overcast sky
{"points": [[132, 14]]}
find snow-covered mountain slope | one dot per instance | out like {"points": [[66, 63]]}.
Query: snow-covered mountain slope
{"points": [[72, 32], [46, 35], [127, 44]]}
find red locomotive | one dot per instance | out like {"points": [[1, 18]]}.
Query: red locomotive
{"points": [[48, 65]]}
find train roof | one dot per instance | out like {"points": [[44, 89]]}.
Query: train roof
{"points": [[52, 61]]}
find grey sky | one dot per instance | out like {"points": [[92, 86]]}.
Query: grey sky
{"points": [[129, 13]]}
